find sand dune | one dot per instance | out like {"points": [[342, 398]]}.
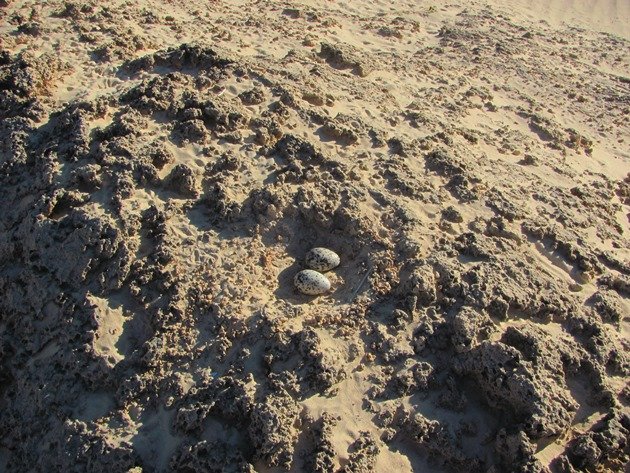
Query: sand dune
{"points": [[166, 166], [609, 16]]}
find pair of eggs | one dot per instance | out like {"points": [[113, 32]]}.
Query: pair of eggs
{"points": [[311, 281]]}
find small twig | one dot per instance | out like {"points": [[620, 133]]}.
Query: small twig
{"points": [[356, 291]]}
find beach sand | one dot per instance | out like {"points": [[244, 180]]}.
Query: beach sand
{"points": [[165, 166]]}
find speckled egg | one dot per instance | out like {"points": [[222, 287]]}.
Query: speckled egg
{"points": [[311, 282], [322, 259]]}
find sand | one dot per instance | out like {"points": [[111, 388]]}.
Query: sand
{"points": [[166, 166]]}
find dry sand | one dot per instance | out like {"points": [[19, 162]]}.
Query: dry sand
{"points": [[166, 165]]}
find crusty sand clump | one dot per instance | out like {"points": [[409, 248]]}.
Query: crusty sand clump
{"points": [[165, 167]]}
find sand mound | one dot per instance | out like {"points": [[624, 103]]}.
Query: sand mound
{"points": [[164, 170]]}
